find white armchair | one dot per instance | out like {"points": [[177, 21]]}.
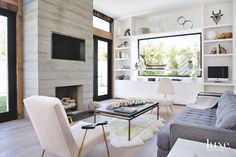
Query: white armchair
{"points": [[54, 131], [166, 93]]}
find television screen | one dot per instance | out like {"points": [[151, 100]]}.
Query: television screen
{"points": [[67, 47], [218, 73]]}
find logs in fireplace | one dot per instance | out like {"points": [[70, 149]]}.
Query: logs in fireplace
{"points": [[70, 96], [68, 103]]}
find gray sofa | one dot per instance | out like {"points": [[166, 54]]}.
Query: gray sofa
{"points": [[217, 124]]}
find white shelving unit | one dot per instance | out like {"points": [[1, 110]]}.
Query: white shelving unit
{"points": [[218, 40], [225, 25], [219, 55], [121, 59], [218, 26], [219, 84], [122, 49], [164, 24]]}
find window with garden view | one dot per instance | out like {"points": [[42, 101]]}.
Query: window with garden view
{"points": [[177, 56]]}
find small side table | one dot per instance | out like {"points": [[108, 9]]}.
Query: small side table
{"points": [[187, 148]]}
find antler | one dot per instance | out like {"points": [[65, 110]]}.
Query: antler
{"points": [[213, 13]]}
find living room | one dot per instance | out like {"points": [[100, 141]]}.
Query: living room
{"points": [[117, 78]]}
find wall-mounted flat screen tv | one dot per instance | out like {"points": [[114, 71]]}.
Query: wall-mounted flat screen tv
{"points": [[67, 47], [218, 73]]}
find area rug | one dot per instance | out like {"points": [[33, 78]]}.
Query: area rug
{"points": [[143, 128]]}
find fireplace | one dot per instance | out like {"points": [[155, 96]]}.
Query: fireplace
{"points": [[71, 97]]}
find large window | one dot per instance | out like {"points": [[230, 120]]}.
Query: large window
{"points": [[177, 56], [101, 24]]}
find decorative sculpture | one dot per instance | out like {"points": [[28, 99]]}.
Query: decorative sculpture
{"points": [[216, 16], [187, 24]]}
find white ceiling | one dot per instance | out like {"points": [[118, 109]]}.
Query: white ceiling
{"points": [[124, 8]]}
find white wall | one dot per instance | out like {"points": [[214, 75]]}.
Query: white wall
{"points": [[30, 48]]}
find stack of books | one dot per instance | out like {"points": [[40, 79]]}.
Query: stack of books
{"points": [[126, 109]]}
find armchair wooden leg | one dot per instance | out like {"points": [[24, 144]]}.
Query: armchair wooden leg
{"points": [[105, 140], [43, 153], [70, 120], [81, 147]]}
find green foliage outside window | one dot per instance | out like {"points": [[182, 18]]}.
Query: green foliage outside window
{"points": [[182, 58]]}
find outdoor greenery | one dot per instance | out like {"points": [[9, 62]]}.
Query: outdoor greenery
{"points": [[3, 105], [3, 38], [3, 62], [176, 58]]}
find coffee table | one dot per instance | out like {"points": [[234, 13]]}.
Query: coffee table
{"points": [[141, 109], [188, 148]]}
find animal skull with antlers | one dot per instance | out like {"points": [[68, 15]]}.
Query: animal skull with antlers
{"points": [[216, 16]]}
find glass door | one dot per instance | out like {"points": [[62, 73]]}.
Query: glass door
{"points": [[7, 65], [102, 68]]}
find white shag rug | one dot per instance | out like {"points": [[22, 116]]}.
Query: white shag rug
{"points": [[143, 128]]}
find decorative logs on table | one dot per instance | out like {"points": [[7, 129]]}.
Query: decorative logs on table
{"points": [[131, 102], [68, 103]]}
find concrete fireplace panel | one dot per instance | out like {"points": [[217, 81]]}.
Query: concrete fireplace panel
{"points": [[75, 19]]}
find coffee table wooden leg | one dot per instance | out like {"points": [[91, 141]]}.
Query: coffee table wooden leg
{"points": [[129, 131]]}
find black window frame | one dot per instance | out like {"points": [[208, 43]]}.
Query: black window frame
{"points": [[105, 18], [12, 93], [95, 70], [200, 33]]}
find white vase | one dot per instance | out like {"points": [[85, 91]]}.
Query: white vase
{"points": [[118, 33], [211, 35]]}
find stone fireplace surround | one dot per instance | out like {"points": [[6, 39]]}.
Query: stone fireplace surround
{"points": [[42, 74]]}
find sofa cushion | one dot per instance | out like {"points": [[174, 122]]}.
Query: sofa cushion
{"points": [[187, 116], [226, 112], [223, 101], [197, 117]]}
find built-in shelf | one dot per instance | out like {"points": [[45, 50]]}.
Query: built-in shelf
{"points": [[165, 33], [122, 48], [124, 37], [218, 26], [169, 70], [122, 69], [217, 40], [219, 55], [121, 59], [219, 84]]}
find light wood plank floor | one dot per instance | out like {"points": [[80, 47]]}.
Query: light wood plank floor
{"points": [[18, 139]]}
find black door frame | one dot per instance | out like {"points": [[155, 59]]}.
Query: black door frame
{"points": [[95, 69], [11, 26]]}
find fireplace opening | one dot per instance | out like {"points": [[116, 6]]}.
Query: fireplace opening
{"points": [[70, 96]]}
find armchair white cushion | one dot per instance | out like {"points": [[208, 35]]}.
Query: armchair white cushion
{"points": [[53, 129]]}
